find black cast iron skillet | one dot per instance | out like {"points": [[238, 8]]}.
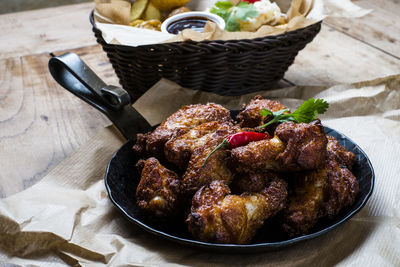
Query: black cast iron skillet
{"points": [[121, 178]]}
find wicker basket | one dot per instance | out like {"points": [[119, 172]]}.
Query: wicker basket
{"points": [[233, 67]]}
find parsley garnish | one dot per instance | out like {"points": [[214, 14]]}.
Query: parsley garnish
{"points": [[233, 14], [307, 112]]}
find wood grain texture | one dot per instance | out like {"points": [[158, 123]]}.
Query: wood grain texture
{"points": [[40, 122], [46, 30], [97, 60], [380, 28], [334, 57], [8, 6]]}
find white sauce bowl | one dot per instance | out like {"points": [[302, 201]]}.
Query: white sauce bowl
{"points": [[193, 14]]}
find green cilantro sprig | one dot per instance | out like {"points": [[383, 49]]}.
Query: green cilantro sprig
{"points": [[307, 112], [234, 14]]}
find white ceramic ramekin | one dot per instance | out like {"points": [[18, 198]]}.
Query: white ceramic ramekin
{"points": [[193, 14]]}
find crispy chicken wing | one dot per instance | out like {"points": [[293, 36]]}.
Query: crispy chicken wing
{"points": [[295, 146], [158, 189], [305, 145], [180, 147], [342, 187], [306, 199], [140, 146], [252, 181], [250, 115], [322, 192], [182, 121], [216, 168], [259, 155], [219, 217], [340, 153]]}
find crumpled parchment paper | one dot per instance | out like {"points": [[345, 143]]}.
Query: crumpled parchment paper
{"points": [[68, 218], [300, 13]]}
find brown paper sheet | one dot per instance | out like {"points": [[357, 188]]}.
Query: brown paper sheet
{"points": [[117, 11], [300, 13], [296, 19], [212, 32], [68, 218]]}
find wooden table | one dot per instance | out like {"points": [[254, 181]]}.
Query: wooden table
{"points": [[41, 123]]}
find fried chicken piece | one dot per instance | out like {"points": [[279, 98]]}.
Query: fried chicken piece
{"points": [[259, 155], [216, 168], [295, 147], [250, 115], [320, 193], [306, 200], [340, 153], [252, 181], [158, 189], [180, 147], [182, 121], [219, 217], [341, 190], [342, 187], [305, 145], [140, 146]]}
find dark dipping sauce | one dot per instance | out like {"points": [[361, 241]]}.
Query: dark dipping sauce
{"points": [[194, 23]]}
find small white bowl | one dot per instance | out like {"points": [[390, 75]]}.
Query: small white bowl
{"points": [[193, 14]]}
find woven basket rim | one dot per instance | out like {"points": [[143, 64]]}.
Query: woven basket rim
{"points": [[234, 41]]}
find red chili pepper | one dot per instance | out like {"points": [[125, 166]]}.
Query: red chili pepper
{"points": [[238, 139], [250, 1]]}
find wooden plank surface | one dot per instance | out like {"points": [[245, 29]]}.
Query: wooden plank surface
{"points": [[8, 6], [41, 123], [46, 30], [379, 29], [334, 57]]}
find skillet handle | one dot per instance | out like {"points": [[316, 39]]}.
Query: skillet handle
{"points": [[75, 76]]}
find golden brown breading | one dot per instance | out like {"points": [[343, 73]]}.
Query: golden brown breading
{"points": [[305, 145], [179, 148], [216, 168], [295, 147], [158, 189], [340, 153], [250, 115], [182, 121], [252, 181], [140, 146], [320, 193], [216, 216], [341, 190], [306, 199], [259, 155]]}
